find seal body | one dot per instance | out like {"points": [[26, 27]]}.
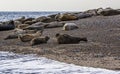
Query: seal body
{"points": [[39, 40], [70, 26], [9, 26], [29, 37], [22, 26], [18, 32], [109, 12], [12, 36], [65, 17], [67, 39]]}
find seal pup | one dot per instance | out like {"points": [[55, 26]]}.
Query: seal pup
{"points": [[39, 40], [67, 39]]}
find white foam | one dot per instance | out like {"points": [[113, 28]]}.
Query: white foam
{"points": [[40, 65]]}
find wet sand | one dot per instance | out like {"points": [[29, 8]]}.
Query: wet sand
{"points": [[102, 49]]}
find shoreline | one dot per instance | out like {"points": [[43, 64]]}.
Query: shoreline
{"points": [[102, 49]]}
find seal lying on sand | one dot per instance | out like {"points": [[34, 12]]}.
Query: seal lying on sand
{"points": [[109, 12], [70, 26], [17, 32], [9, 26], [39, 40], [22, 26], [21, 31], [36, 26], [29, 37], [21, 19], [67, 39], [12, 36], [65, 17]]}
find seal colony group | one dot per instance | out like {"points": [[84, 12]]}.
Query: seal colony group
{"points": [[31, 29]]}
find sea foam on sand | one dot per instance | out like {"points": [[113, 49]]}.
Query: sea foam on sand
{"points": [[11, 63]]}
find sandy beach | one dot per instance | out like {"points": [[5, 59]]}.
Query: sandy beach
{"points": [[102, 49]]}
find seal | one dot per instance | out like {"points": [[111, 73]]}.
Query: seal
{"points": [[67, 39], [21, 31], [9, 26], [28, 19], [21, 19], [22, 26], [17, 23], [70, 26], [12, 36], [30, 22], [29, 37], [54, 24], [17, 32], [36, 26], [44, 19], [39, 40], [109, 12], [65, 17]]}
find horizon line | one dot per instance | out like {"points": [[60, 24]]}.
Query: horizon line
{"points": [[39, 11]]}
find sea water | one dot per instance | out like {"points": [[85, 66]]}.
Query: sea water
{"points": [[5, 16], [11, 63]]}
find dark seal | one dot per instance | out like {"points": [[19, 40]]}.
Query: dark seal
{"points": [[67, 39], [12, 36], [9, 26], [39, 40]]}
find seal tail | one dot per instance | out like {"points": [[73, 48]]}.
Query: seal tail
{"points": [[83, 39], [6, 38]]}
